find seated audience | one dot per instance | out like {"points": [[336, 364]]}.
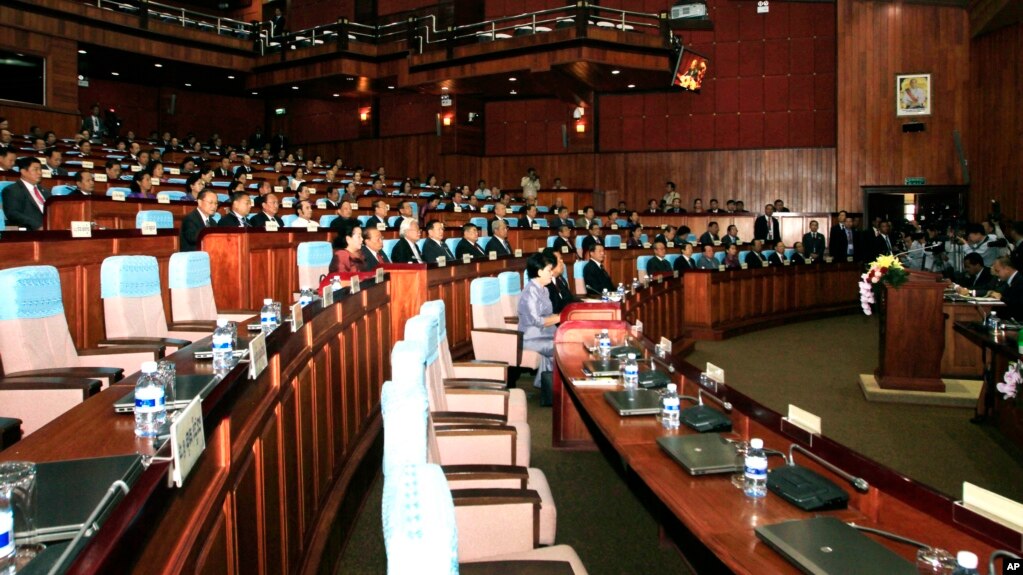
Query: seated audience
{"points": [[380, 209], [142, 185], [563, 240], [499, 241], [667, 236], [435, 247], [708, 261], [84, 183], [778, 257], [1010, 291], [732, 237], [658, 264], [241, 205], [595, 276], [537, 320], [24, 201], [685, 262], [711, 235], [754, 259], [268, 205], [197, 220], [559, 291], [469, 245], [635, 238], [978, 279], [594, 238], [800, 256], [732, 257], [406, 251], [304, 211], [347, 251]]}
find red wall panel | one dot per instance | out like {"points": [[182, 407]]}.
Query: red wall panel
{"points": [[535, 127], [408, 114]]}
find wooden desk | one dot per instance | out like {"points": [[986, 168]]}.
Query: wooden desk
{"points": [[711, 520], [289, 456], [997, 352], [962, 357]]}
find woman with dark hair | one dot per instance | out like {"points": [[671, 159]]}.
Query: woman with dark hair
{"points": [[431, 206], [155, 169], [635, 238], [142, 185], [297, 178], [347, 250], [634, 221], [537, 320], [406, 188], [193, 185]]}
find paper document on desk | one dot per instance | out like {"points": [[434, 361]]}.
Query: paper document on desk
{"points": [[596, 382]]}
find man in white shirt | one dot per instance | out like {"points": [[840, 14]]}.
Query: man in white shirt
{"points": [[304, 210]]}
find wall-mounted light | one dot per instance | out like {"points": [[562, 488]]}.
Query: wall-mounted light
{"points": [[364, 114], [447, 120], [580, 126]]}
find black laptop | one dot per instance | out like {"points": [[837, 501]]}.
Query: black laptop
{"points": [[827, 546], [703, 453]]}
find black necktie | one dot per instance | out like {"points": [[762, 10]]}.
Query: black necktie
{"points": [[382, 257], [450, 255], [415, 252]]}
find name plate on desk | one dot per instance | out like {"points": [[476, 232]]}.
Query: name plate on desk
{"points": [[149, 228], [442, 261], [100, 177], [715, 373], [671, 244], [88, 165], [47, 174], [117, 196], [646, 245], [247, 177], [154, 181], [162, 198], [382, 226], [297, 319], [564, 249], [466, 258], [356, 285], [257, 355], [288, 202], [136, 168], [786, 262], [717, 243], [81, 229], [580, 212], [744, 266], [312, 227], [849, 259], [491, 256], [674, 274], [623, 246], [457, 208], [174, 171], [535, 226], [518, 253], [327, 293], [354, 205], [188, 441], [614, 226], [380, 275], [278, 189], [660, 279]]}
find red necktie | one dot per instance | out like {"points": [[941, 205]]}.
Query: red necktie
{"points": [[39, 197]]}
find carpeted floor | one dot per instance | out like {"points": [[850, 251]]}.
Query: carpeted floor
{"points": [[813, 365]]}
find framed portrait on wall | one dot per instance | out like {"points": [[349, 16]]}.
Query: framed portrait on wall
{"points": [[913, 95]]}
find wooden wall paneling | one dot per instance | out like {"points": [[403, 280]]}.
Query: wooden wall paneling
{"points": [[293, 509], [872, 149], [274, 482], [216, 556], [323, 381], [307, 453], [349, 357], [248, 513]]}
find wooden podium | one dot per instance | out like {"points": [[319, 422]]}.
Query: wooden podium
{"points": [[912, 334]]}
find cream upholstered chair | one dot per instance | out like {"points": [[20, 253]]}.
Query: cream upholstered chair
{"points": [[44, 375], [191, 291], [459, 439], [133, 305], [494, 372], [462, 394], [491, 340], [424, 532], [313, 263]]}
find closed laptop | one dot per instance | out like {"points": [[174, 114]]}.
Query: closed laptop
{"points": [[827, 546], [702, 454], [634, 402]]}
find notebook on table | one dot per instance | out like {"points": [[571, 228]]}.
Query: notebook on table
{"points": [[827, 546], [702, 454], [186, 388], [602, 368], [634, 401]]}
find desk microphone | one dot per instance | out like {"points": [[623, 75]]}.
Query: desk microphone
{"points": [[920, 249]]}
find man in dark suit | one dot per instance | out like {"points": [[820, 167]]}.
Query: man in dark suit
{"points": [[380, 209], [714, 207], [224, 170], [813, 241], [435, 247], [978, 279], [1016, 244], [530, 218], [675, 207], [468, 244], [94, 123], [7, 159], [667, 236], [198, 220], [54, 161], [594, 238], [586, 219], [373, 255], [500, 214], [843, 243], [406, 251], [562, 219], [499, 239], [1011, 290], [708, 261], [777, 257], [685, 262], [238, 217], [658, 264], [595, 276], [85, 183], [754, 259], [779, 206], [800, 257], [710, 236], [563, 240], [766, 227], [268, 205], [883, 241], [25, 200], [559, 291]]}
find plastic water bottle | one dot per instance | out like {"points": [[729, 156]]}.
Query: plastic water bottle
{"points": [[6, 532], [966, 564], [335, 284], [630, 372], [635, 284], [306, 296], [604, 297], [223, 347], [621, 291], [670, 407], [992, 321], [755, 483], [268, 316], [150, 402], [604, 345]]}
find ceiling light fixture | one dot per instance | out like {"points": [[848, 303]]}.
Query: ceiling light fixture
{"points": [[630, 86], [512, 79], [115, 73], [188, 85], [230, 77], [158, 65], [337, 95], [513, 92], [82, 52], [445, 88], [294, 87], [616, 72], [255, 93], [390, 87]]}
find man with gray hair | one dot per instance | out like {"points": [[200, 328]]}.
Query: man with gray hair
{"points": [[406, 251]]}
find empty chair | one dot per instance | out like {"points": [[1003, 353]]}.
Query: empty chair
{"points": [[477, 370], [641, 263], [720, 256], [163, 219], [191, 291], [551, 240], [542, 222], [542, 209], [511, 288], [173, 195], [579, 245], [622, 223], [363, 220], [61, 190], [490, 339], [288, 218], [321, 203], [452, 244], [313, 263], [612, 241], [110, 191], [393, 221], [578, 282], [50, 369], [325, 220], [133, 304], [389, 246]]}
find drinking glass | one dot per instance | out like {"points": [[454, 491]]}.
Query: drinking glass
{"points": [[168, 375], [17, 514], [934, 561], [739, 479]]}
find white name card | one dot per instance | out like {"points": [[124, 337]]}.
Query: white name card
{"points": [[100, 177], [849, 259], [136, 168], [518, 253], [154, 181], [744, 266], [623, 246], [162, 198], [716, 373], [88, 165], [646, 245], [353, 205], [356, 285], [457, 208], [297, 320], [247, 177], [382, 226], [288, 202], [47, 174], [491, 256], [786, 262], [671, 244], [271, 226], [117, 196], [174, 171], [614, 226], [466, 258], [380, 275], [804, 420], [279, 189], [535, 226], [442, 261], [717, 243], [312, 227], [660, 279], [81, 229], [257, 355], [188, 441], [564, 249], [327, 293], [674, 273], [993, 506], [666, 344], [721, 268], [149, 228]]}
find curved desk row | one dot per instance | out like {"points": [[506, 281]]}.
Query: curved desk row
{"points": [[289, 456], [710, 519]]}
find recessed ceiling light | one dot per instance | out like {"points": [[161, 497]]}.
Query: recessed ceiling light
{"points": [[115, 73], [158, 65], [82, 52], [294, 87], [337, 95], [513, 92], [255, 93], [616, 72], [350, 79], [188, 85], [230, 77], [390, 87], [630, 86], [512, 79], [444, 88]]}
